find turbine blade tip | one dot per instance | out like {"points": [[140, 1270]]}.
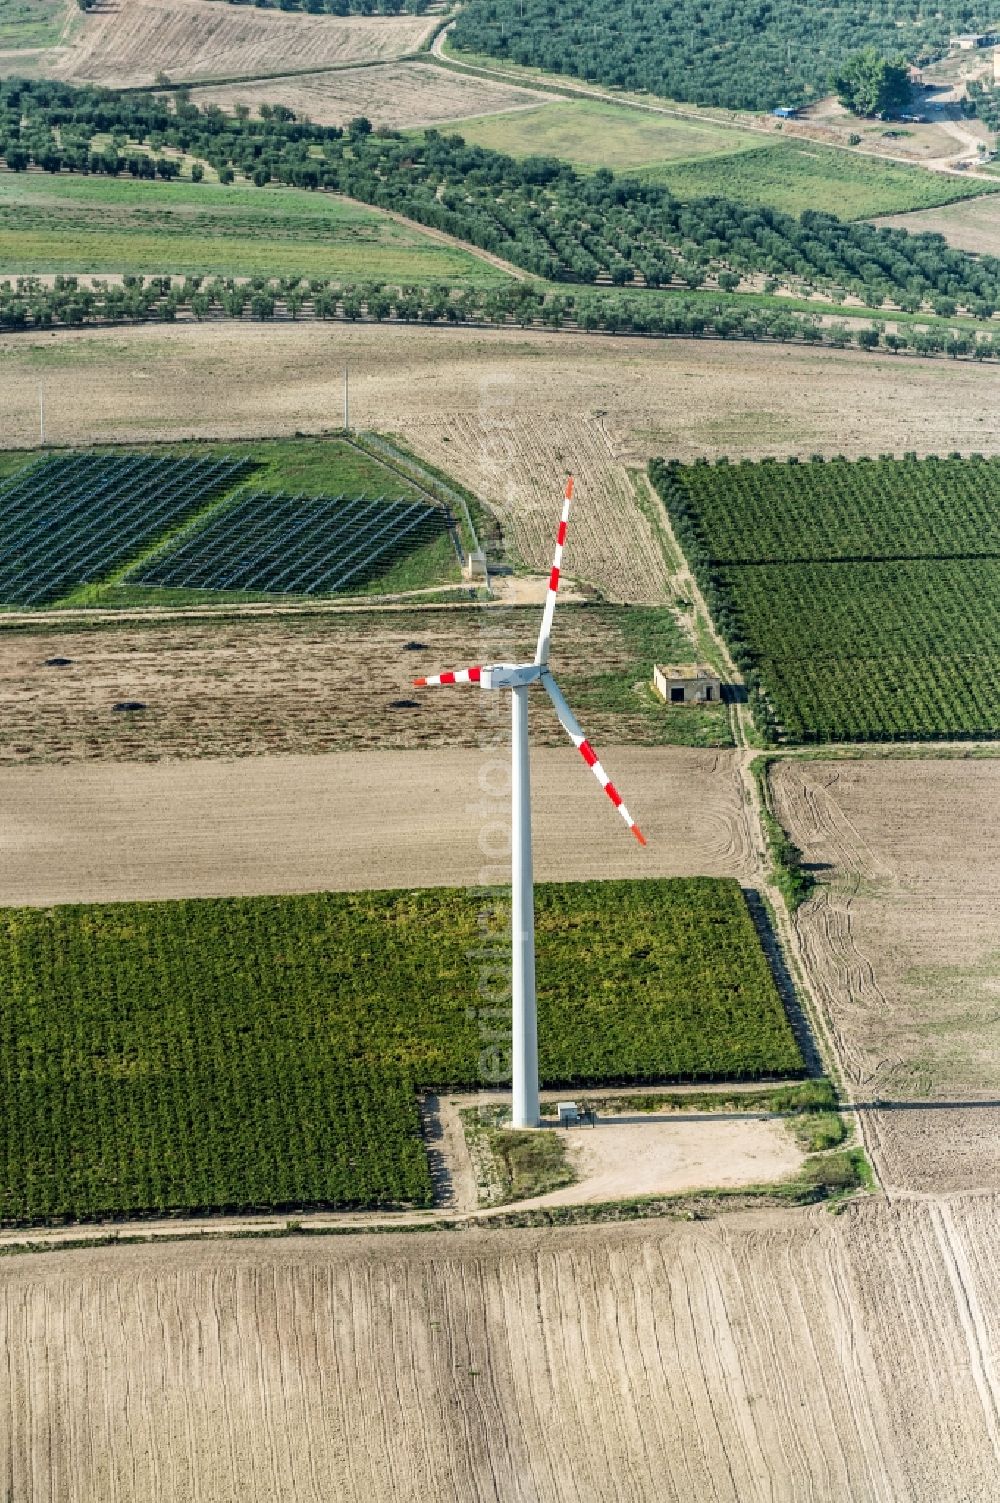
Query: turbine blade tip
{"points": [[640, 837], [420, 683]]}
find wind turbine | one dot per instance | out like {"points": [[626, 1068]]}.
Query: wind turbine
{"points": [[518, 678]]}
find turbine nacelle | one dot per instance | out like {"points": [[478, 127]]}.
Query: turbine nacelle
{"points": [[516, 676], [510, 675]]}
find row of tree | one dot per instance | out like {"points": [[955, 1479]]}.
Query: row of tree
{"points": [[740, 54], [28, 303], [339, 7], [984, 101], [538, 212]]}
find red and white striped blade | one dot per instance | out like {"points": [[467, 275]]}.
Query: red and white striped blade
{"points": [[574, 730], [460, 676], [545, 632]]}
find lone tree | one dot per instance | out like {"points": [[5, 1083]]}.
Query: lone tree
{"points": [[869, 84]]}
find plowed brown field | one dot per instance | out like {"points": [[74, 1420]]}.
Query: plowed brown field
{"points": [[131, 43], [356, 820], [901, 944], [399, 95], [762, 1359]]}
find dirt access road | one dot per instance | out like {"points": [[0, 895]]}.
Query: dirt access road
{"points": [[760, 1358]]}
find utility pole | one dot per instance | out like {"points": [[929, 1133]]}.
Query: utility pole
{"points": [[347, 400]]}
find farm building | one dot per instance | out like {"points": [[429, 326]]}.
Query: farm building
{"points": [[969, 41], [686, 684]]}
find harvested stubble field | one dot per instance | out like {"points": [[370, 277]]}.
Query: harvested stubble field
{"points": [[515, 466], [399, 95], [679, 397], [757, 1359], [901, 945], [131, 44], [120, 832], [326, 682]]}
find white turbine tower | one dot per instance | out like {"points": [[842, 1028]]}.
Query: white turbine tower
{"points": [[518, 678]]}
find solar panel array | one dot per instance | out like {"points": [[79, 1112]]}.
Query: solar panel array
{"points": [[297, 545], [74, 519]]}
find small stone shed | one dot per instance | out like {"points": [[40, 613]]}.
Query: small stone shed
{"points": [[686, 684]]}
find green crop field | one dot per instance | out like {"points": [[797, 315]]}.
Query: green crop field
{"points": [[312, 466], [266, 1052], [590, 135], [795, 176], [58, 223], [30, 23], [699, 159], [861, 599]]}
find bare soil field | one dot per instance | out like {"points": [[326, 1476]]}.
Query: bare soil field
{"points": [[678, 397], [356, 820], [972, 225], [254, 685], [130, 44], [645, 1155], [400, 95], [761, 1358], [901, 943]]}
